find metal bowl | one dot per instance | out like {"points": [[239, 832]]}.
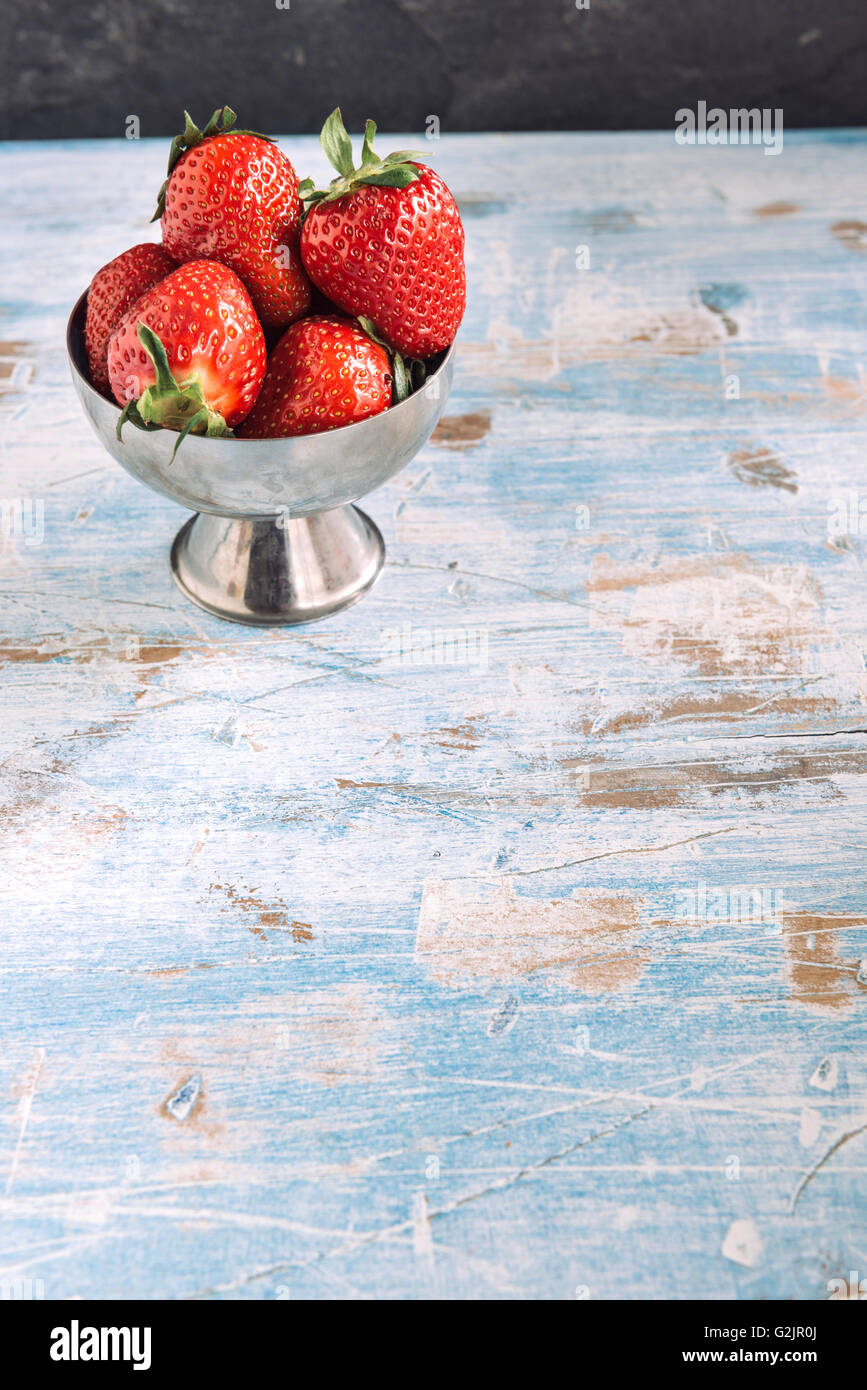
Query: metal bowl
{"points": [[275, 538]]}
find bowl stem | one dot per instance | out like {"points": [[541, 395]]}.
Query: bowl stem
{"points": [[280, 569]]}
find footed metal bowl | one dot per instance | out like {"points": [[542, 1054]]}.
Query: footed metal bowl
{"points": [[275, 538]]}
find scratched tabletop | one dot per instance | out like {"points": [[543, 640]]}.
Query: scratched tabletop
{"points": [[504, 936]]}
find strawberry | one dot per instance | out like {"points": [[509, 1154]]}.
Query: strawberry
{"points": [[113, 290], [385, 240], [232, 196], [324, 372], [190, 353]]}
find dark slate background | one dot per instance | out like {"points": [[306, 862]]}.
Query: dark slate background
{"points": [[69, 68]]}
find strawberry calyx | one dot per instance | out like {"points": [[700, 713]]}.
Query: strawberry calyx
{"points": [[168, 404], [409, 373], [401, 378], [221, 123], [396, 170]]}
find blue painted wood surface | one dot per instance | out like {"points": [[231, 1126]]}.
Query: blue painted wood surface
{"points": [[541, 974]]}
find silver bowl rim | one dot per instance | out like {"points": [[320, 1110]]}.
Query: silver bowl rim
{"points": [[373, 421]]}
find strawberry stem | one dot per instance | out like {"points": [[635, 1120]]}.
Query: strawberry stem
{"points": [[169, 404], [165, 382]]}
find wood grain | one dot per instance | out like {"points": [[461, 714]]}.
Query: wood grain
{"points": [[337, 968]]}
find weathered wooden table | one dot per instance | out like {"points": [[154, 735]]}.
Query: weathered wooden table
{"points": [[506, 935]]}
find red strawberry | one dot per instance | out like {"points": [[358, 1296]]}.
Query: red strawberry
{"points": [[324, 373], [232, 196], [386, 241], [112, 290], [190, 353]]}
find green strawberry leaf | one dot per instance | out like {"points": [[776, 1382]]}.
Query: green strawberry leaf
{"points": [[308, 195], [367, 155], [222, 120], [130, 413], [336, 143], [369, 327], [402, 380], [193, 425], [399, 176], [402, 383], [401, 156]]}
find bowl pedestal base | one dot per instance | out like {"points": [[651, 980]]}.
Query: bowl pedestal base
{"points": [[277, 569]]}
